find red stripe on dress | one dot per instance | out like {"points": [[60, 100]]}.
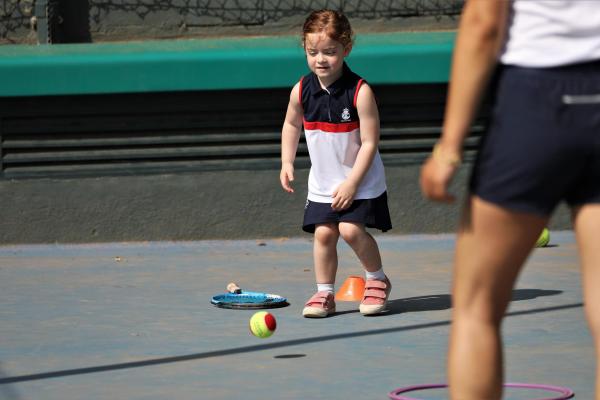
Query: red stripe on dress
{"points": [[356, 93], [300, 94], [343, 127]]}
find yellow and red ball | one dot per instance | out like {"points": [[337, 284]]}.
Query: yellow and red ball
{"points": [[262, 324]]}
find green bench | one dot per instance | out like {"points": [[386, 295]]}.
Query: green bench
{"points": [[211, 64]]}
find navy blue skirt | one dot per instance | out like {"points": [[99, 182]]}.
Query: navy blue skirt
{"points": [[373, 213], [543, 143]]}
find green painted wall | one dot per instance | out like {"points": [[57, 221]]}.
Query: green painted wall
{"points": [[210, 64]]}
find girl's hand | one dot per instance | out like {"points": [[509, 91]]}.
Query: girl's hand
{"points": [[286, 176], [343, 196]]}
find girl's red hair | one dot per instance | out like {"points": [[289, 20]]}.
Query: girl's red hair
{"points": [[333, 23]]}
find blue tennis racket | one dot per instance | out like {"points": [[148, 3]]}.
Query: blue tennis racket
{"points": [[241, 299]]}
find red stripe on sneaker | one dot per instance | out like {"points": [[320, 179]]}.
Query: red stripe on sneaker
{"points": [[344, 127]]}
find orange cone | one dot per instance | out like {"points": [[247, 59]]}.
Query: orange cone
{"points": [[352, 289]]}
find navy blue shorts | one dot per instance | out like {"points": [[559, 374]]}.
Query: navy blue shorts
{"points": [[373, 213], [543, 142]]}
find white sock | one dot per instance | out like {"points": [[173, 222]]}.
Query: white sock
{"points": [[325, 287], [379, 275]]}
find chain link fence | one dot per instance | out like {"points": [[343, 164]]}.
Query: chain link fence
{"points": [[15, 17], [182, 16]]}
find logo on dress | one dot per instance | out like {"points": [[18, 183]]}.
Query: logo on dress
{"points": [[346, 114]]}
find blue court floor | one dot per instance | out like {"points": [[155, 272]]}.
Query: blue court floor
{"points": [[134, 321]]}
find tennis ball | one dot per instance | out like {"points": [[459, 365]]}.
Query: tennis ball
{"points": [[262, 324], [543, 239]]}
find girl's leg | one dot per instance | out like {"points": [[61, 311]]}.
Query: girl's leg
{"points": [[325, 252], [492, 245], [322, 303], [363, 244], [377, 286], [587, 229]]}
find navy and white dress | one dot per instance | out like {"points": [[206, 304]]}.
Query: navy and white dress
{"points": [[332, 132]]}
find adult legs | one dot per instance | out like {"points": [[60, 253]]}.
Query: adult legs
{"points": [[492, 246], [586, 220]]}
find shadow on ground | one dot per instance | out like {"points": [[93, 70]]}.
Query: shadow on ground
{"points": [[444, 301], [525, 293]]}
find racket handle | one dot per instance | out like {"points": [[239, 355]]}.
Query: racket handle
{"points": [[234, 288]]}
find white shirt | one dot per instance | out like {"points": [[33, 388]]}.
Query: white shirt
{"points": [[549, 33], [332, 155]]}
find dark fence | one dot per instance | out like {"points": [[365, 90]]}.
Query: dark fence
{"points": [[262, 11], [19, 17]]}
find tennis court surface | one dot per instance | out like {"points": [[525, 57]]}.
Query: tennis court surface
{"points": [[134, 321]]}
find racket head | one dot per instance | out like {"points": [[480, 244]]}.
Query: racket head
{"points": [[248, 300]]}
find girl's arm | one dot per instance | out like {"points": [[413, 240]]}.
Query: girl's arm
{"points": [[480, 37], [290, 135], [369, 137]]}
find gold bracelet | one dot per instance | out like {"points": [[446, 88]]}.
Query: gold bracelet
{"points": [[450, 159]]}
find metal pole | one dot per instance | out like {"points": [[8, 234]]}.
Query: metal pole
{"points": [[41, 15]]}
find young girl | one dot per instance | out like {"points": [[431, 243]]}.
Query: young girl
{"points": [[346, 185]]}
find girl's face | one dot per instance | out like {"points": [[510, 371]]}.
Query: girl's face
{"points": [[325, 56]]}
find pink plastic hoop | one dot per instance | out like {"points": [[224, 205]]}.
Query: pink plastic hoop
{"points": [[565, 393]]}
